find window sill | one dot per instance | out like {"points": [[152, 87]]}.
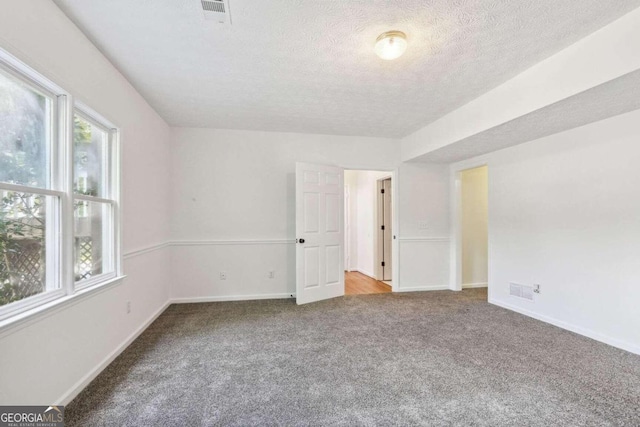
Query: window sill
{"points": [[36, 314]]}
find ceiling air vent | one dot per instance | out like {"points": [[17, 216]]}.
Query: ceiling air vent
{"points": [[216, 10]]}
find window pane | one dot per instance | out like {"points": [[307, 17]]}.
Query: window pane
{"points": [[93, 239], [24, 134], [90, 148], [23, 235]]}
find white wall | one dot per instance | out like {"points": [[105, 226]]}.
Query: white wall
{"points": [[474, 199], [47, 360], [234, 205], [564, 213], [233, 209], [423, 232]]}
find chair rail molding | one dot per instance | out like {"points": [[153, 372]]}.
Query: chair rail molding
{"points": [[145, 250], [232, 242], [424, 239]]}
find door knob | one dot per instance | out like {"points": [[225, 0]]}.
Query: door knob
{"points": [[300, 240]]}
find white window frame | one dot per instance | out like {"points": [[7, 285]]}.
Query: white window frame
{"points": [[110, 186], [60, 280]]}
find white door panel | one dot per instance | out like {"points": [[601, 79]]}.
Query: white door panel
{"points": [[319, 232]]}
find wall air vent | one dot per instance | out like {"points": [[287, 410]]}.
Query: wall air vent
{"points": [[216, 10], [521, 291], [213, 6]]}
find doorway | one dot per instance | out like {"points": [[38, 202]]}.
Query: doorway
{"points": [[368, 232], [473, 226]]}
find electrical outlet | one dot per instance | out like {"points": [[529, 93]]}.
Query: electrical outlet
{"points": [[272, 274], [223, 275], [128, 307], [536, 288]]}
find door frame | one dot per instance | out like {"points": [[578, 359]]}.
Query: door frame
{"points": [[347, 228], [395, 224], [455, 173], [378, 242]]}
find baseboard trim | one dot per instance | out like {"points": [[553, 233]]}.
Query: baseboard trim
{"points": [[190, 300], [474, 285], [366, 273], [424, 239], [614, 342], [84, 382], [424, 288]]}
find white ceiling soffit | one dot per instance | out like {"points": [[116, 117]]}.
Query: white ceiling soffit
{"points": [[309, 66], [610, 99]]}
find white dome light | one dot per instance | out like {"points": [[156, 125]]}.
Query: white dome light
{"points": [[391, 45]]}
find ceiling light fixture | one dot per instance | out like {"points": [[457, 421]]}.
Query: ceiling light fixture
{"points": [[391, 45]]}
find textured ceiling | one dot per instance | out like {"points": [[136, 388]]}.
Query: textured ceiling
{"points": [[309, 66]]}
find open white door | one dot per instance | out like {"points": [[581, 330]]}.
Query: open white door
{"points": [[319, 232]]}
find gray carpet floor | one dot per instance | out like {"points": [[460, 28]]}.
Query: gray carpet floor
{"points": [[430, 358]]}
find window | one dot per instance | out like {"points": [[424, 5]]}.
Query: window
{"points": [[94, 201], [58, 193]]}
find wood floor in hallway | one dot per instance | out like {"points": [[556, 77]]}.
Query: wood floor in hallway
{"points": [[357, 284]]}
